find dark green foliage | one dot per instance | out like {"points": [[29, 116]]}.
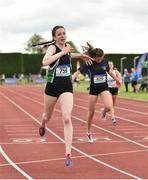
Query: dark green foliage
{"points": [[32, 63], [10, 63], [17, 63], [127, 63]]}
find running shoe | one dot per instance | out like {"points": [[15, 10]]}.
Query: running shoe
{"points": [[90, 138], [103, 114], [42, 131], [68, 160], [114, 120]]}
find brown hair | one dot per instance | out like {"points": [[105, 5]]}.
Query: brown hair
{"points": [[93, 52], [53, 32], [48, 43], [55, 29]]}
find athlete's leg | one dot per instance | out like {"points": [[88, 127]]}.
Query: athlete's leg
{"points": [[106, 98], [49, 103], [92, 100], [114, 97], [66, 104]]}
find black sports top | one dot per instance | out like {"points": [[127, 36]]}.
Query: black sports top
{"points": [[59, 72], [96, 72]]}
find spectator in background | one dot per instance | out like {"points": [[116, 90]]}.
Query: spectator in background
{"points": [[21, 77], [2, 79], [126, 79], [14, 76], [143, 83], [134, 79]]}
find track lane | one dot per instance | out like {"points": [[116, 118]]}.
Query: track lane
{"points": [[92, 163]]}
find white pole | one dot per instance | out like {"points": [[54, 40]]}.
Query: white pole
{"points": [[121, 65], [135, 58]]}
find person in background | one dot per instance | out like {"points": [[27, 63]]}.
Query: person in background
{"points": [[134, 79], [98, 85], [126, 79], [143, 83], [59, 85], [2, 79], [113, 87]]}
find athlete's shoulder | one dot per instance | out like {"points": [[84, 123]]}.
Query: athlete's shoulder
{"points": [[51, 47]]}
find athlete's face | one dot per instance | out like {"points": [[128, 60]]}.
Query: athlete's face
{"points": [[111, 65], [99, 59], [60, 36]]}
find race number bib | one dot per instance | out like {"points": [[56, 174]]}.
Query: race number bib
{"points": [[63, 71], [99, 79]]}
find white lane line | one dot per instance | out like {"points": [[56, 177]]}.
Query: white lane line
{"points": [[118, 117], [86, 102], [76, 149], [15, 143], [75, 157], [132, 129], [74, 142], [21, 130], [120, 108], [84, 133], [13, 164], [141, 136], [21, 134], [79, 119], [110, 132], [140, 132], [18, 128], [127, 126]]}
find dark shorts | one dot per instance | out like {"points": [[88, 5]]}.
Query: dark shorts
{"points": [[134, 83], [113, 91], [96, 90], [56, 90]]}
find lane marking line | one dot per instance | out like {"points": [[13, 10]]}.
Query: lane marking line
{"points": [[118, 117], [74, 157], [14, 165], [117, 107], [76, 149]]}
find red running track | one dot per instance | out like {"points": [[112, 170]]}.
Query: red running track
{"points": [[119, 151]]}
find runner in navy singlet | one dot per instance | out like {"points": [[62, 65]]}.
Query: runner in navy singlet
{"points": [[98, 85]]}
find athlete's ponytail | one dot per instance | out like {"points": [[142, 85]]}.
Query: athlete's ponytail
{"points": [[48, 43], [45, 44], [91, 51]]}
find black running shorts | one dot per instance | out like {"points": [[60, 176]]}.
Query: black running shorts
{"points": [[113, 91], [96, 90], [56, 90]]}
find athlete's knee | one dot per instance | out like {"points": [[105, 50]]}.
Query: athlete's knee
{"points": [[67, 121], [66, 118], [108, 108]]}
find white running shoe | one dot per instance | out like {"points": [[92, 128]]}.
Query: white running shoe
{"points": [[114, 121], [89, 138]]}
